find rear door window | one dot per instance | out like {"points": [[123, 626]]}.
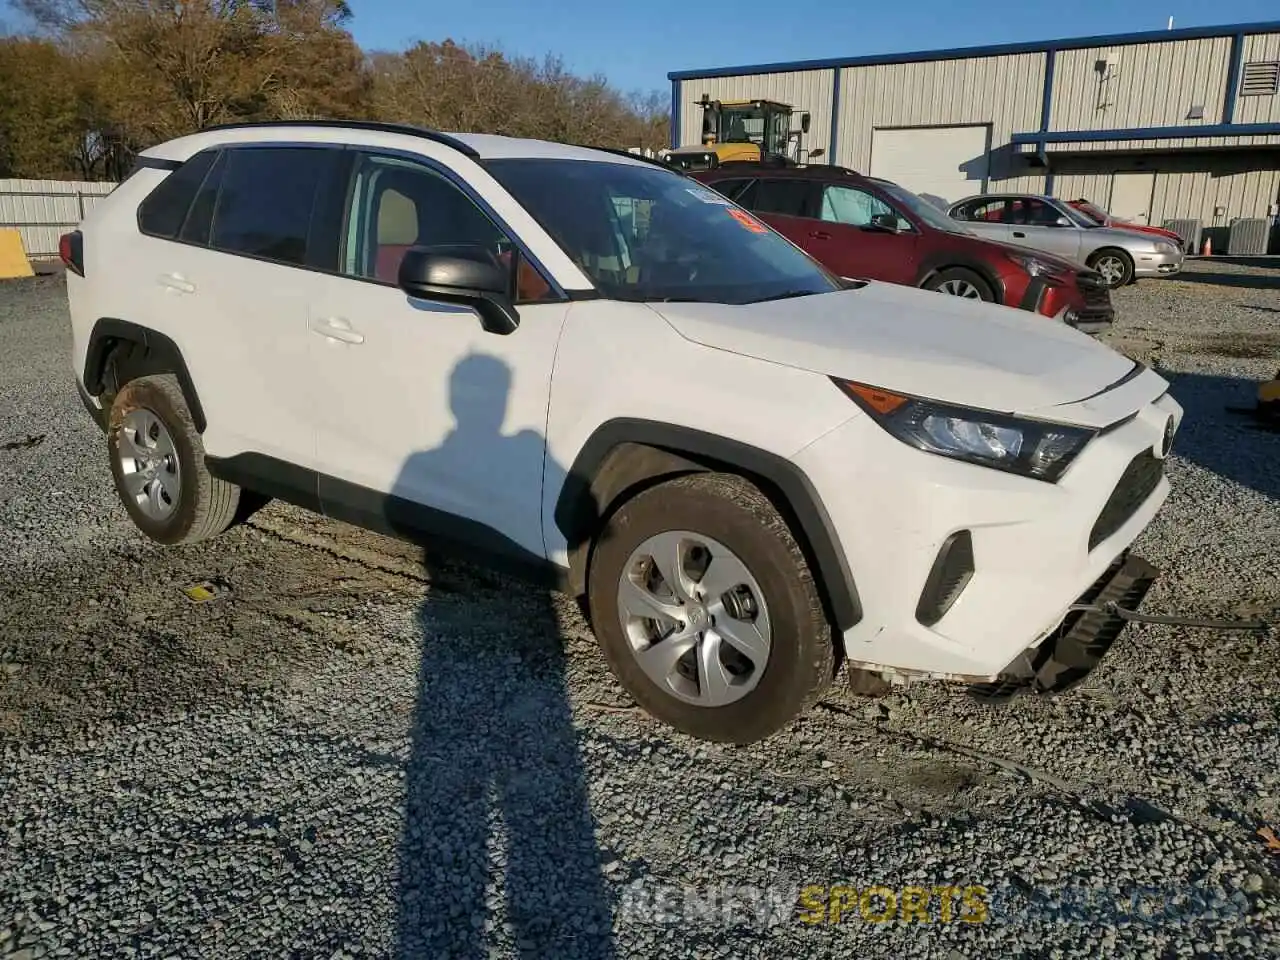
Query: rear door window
{"points": [[790, 197], [266, 200], [983, 211]]}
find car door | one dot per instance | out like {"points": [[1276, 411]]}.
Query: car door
{"points": [[428, 424], [231, 285], [849, 242], [1034, 223], [788, 204]]}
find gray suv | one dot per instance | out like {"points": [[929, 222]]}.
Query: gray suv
{"points": [[1047, 223]]}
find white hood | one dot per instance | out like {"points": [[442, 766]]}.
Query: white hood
{"points": [[914, 341]]}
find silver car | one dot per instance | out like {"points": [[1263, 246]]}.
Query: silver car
{"points": [[1047, 223]]}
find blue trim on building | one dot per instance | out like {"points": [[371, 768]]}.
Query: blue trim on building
{"points": [[1041, 137], [1003, 49], [835, 116], [1048, 183], [675, 114], [1233, 79], [1046, 104]]}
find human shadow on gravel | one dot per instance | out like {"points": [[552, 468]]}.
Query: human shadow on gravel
{"points": [[1232, 445], [499, 842]]}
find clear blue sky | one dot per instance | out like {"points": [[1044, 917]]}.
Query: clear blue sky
{"points": [[636, 42]]}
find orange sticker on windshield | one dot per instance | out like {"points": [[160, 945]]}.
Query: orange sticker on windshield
{"points": [[748, 221]]}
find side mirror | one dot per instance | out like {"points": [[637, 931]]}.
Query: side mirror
{"points": [[1062, 222], [884, 221], [465, 274], [804, 122], [816, 152]]}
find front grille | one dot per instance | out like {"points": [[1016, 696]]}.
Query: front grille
{"points": [[1091, 314], [1137, 483]]}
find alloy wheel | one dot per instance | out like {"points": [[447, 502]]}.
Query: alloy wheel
{"points": [[1111, 268], [960, 288]]}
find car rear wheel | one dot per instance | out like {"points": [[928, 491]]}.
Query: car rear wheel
{"points": [[959, 282], [706, 609], [157, 461], [1116, 266]]}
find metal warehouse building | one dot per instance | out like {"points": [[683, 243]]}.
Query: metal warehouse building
{"points": [[1169, 124]]}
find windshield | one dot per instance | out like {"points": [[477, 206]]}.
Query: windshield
{"points": [[923, 209], [1090, 211], [643, 233], [1076, 216]]}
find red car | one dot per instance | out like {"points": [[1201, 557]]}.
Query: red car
{"points": [[868, 228], [1104, 219]]}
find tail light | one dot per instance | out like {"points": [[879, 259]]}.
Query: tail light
{"points": [[71, 250]]}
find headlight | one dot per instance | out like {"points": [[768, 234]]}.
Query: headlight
{"points": [[1035, 266], [1037, 449], [1167, 246]]}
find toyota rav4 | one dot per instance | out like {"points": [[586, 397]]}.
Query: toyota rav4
{"points": [[578, 363]]}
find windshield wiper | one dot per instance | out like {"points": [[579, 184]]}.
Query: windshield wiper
{"points": [[786, 295]]}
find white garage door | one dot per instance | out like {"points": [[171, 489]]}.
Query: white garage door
{"points": [[942, 162]]}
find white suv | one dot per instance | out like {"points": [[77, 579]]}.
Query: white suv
{"points": [[588, 365]]}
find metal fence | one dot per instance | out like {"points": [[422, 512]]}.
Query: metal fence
{"points": [[43, 210]]}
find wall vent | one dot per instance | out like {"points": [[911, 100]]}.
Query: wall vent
{"points": [[1260, 79]]}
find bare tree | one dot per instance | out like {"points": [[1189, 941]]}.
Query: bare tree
{"points": [[146, 70]]}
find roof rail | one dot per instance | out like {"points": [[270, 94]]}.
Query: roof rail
{"points": [[622, 153], [375, 126]]}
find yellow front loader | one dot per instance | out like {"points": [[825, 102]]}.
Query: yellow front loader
{"points": [[745, 130]]}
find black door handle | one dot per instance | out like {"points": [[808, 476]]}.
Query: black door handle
{"points": [[1019, 233]]}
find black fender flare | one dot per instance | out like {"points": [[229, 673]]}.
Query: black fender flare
{"points": [[946, 260], [136, 351], [626, 454]]}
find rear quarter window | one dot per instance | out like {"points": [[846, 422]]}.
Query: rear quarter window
{"points": [[165, 208], [733, 189]]}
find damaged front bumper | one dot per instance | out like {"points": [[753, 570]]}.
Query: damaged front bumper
{"points": [[1070, 653]]}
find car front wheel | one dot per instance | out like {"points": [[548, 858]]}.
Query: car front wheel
{"points": [[1115, 266], [706, 609], [959, 282]]}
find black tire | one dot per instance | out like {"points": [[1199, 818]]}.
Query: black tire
{"points": [[206, 506], [733, 511], [1125, 261], [960, 274]]}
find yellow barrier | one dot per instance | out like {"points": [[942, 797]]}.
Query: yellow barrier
{"points": [[13, 256]]}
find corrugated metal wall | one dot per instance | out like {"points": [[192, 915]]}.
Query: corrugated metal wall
{"points": [[1154, 85], [43, 210], [1264, 109], [1151, 85], [1003, 91], [810, 90], [1185, 186], [1115, 146]]}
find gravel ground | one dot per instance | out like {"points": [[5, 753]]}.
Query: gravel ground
{"points": [[353, 753]]}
